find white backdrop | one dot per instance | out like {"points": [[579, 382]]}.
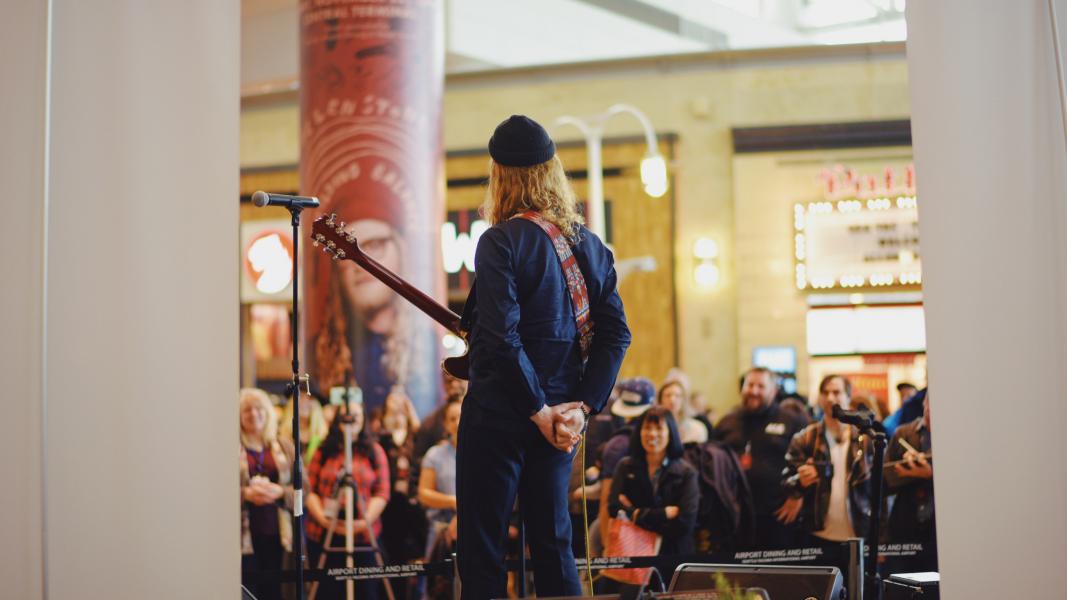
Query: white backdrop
{"points": [[990, 163], [119, 289]]}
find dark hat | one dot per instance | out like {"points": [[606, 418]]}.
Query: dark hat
{"points": [[520, 142], [635, 397]]}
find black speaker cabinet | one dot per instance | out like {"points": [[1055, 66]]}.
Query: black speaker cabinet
{"points": [[781, 583], [912, 586]]}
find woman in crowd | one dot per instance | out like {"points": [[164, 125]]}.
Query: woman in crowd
{"points": [[313, 425], [265, 468], [654, 487], [673, 396], [403, 521], [437, 481], [370, 474]]}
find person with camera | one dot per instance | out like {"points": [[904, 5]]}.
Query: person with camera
{"points": [[828, 472]]}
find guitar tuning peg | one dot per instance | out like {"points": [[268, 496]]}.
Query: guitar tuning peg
{"points": [[351, 238], [315, 242], [331, 245], [335, 257], [339, 254], [330, 219], [340, 228]]}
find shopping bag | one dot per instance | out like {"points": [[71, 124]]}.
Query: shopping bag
{"points": [[627, 539]]}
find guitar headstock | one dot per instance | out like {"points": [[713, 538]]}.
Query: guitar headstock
{"points": [[330, 233]]}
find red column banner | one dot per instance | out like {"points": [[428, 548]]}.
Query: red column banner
{"points": [[371, 82]]}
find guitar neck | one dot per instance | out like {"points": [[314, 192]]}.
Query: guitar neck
{"points": [[448, 319]]}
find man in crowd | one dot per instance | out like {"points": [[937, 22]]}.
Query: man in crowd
{"points": [[911, 408], [829, 472], [760, 431], [911, 479]]}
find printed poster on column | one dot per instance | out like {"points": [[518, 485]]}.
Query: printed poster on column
{"points": [[370, 105]]}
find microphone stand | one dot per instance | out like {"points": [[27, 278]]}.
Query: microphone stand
{"points": [[865, 423], [873, 579], [294, 389]]}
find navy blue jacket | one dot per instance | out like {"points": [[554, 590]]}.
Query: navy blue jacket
{"points": [[523, 340]]}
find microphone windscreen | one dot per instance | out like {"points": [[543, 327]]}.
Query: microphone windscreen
{"points": [[836, 411], [261, 198]]}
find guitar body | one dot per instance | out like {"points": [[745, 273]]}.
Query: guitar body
{"points": [[342, 245], [457, 366]]}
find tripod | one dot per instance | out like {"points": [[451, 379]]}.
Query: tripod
{"points": [[346, 486]]}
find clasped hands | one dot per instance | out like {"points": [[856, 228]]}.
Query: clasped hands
{"points": [[261, 491], [561, 424]]}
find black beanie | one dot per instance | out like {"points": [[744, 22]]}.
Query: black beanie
{"points": [[520, 142]]}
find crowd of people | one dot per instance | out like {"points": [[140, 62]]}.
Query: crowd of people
{"points": [[775, 472]]}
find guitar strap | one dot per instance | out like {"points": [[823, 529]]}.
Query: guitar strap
{"points": [[572, 274]]}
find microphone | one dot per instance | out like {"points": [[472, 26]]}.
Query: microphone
{"points": [[262, 199], [858, 418]]}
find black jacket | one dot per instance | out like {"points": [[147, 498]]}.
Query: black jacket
{"points": [[912, 517], [677, 486], [767, 434], [811, 443], [726, 517]]}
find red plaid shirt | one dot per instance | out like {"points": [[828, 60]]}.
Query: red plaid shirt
{"points": [[371, 482]]}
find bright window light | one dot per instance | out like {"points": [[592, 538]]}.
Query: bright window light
{"points": [[270, 258]]}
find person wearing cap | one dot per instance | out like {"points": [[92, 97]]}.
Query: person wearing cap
{"points": [[530, 390]]}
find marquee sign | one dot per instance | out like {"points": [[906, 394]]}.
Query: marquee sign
{"points": [[854, 243]]}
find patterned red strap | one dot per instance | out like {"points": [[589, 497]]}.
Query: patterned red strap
{"points": [[572, 274]]}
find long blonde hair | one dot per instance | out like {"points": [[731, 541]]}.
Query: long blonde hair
{"points": [[316, 422], [333, 357], [543, 188], [270, 429]]}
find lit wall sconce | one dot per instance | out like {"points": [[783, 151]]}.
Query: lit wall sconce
{"points": [[706, 255], [654, 174]]}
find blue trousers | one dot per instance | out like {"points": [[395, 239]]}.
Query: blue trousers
{"points": [[494, 464]]}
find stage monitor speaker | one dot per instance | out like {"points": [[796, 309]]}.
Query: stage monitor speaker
{"points": [[912, 586], [602, 597], [781, 583]]}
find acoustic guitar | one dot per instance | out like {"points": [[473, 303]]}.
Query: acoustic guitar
{"points": [[330, 234]]}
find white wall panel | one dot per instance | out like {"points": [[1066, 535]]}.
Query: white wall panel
{"points": [[990, 162], [120, 331], [23, 61]]}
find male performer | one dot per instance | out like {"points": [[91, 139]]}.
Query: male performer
{"points": [[529, 391]]}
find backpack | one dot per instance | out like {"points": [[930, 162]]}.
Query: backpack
{"points": [[726, 517]]}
